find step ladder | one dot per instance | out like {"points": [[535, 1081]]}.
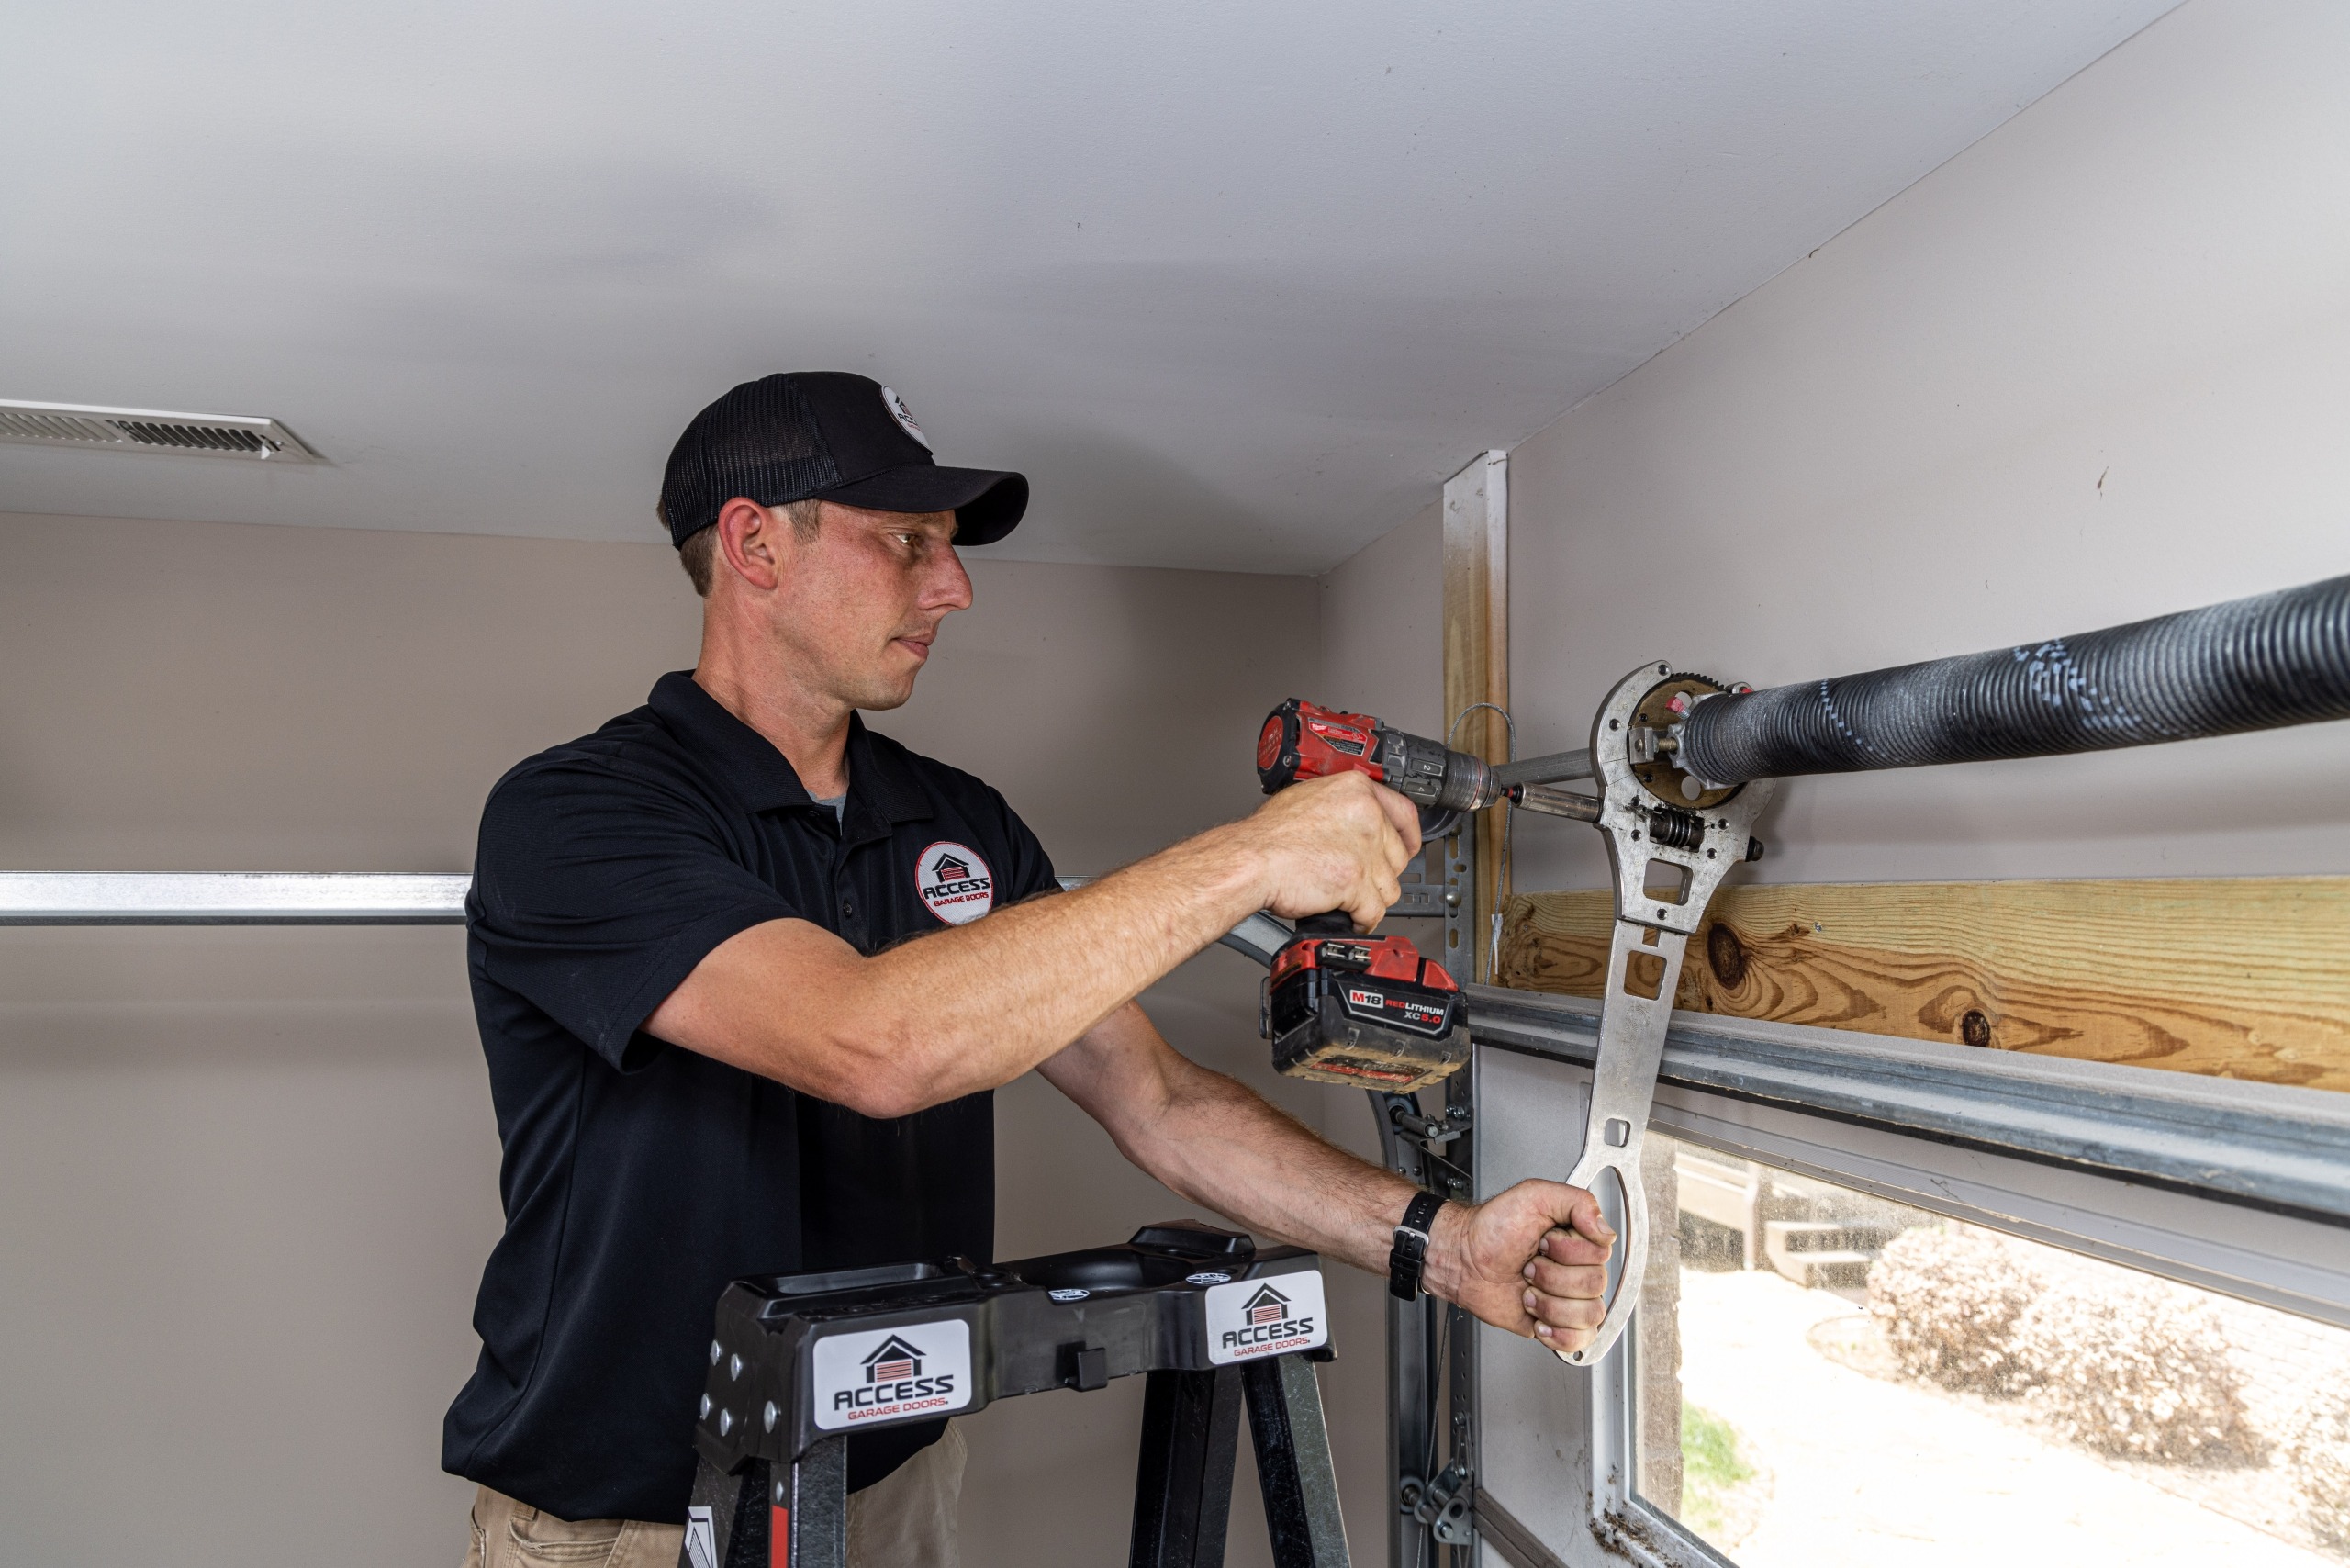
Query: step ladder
{"points": [[800, 1361]]}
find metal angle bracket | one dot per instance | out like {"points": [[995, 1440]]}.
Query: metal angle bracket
{"points": [[1667, 857], [1423, 884], [1427, 1133], [1443, 1505], [1456, 856]]}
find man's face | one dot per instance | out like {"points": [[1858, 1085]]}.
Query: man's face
{"points": [[857, 606]]}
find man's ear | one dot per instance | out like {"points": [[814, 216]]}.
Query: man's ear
{"points": [[748, 537]]}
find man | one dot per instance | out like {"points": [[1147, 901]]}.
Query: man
{"points": [[713, 1053]]}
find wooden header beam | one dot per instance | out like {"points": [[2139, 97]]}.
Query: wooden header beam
{"points": [[1476, 651], [2245, 978]]}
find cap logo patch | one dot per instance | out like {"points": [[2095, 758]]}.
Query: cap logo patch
{"points": [[905, 415], [953, 883]]}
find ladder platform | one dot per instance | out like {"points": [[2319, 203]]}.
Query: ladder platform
{"points": [[800, 1361]]}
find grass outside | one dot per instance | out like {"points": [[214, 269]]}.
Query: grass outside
{"points": [[1710, 1469]]}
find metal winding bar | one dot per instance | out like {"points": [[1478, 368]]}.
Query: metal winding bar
{"points": [[1556, 768]]}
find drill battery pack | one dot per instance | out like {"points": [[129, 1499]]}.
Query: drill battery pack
{"points": [[1367, 1011]]}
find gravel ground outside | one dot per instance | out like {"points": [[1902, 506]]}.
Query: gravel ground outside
{"points": [[1853, 1470]]}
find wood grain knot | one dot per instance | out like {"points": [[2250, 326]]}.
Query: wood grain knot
{"points": [[2237, 977], [1725, 954]]}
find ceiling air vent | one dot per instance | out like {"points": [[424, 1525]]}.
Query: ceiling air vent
{"points": [[151, 429]]}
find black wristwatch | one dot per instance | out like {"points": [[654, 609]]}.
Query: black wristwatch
{"points": [[1410, 1251]]}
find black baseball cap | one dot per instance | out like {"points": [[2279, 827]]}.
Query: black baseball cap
{"points": [[831, 435]]}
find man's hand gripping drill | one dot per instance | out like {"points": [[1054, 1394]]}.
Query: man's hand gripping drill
{"points": [[1370, 1010], [1342, 1009]]}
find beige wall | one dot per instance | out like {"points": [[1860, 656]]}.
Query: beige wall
{"points": [[2090, 370], [202, 696], [2093, 369], [253, 1173], [1382, 627]]}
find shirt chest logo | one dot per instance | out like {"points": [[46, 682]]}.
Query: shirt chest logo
{"points": [[953, 883]]}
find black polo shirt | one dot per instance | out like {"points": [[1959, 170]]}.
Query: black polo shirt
{"points": [[639, 1178]]}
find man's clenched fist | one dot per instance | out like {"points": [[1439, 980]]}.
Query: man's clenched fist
{"points": [[1532, 1260]]}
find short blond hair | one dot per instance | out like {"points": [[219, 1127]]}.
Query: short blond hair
{"points": [[698, 554]]}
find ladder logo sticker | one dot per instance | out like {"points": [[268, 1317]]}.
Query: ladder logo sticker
{"points": [[955, 882], [1249, 1318], [889, 1375]]}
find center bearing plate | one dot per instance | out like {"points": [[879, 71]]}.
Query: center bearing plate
{"points": [[1664, 780]]}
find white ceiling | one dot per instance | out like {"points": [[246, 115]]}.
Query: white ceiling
{"points": [[1237, 285]]}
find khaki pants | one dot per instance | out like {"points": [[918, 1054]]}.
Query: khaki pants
{"points": [[905, 1521]]}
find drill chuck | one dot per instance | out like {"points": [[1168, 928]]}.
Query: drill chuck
{"points": [[1434, 774]]}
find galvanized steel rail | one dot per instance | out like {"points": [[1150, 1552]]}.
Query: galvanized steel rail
{"points": [[2258, 1143], [232, 898], [2265, 1144]]}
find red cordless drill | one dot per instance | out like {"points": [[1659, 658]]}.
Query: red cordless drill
{"points": [[1367, 1011]]}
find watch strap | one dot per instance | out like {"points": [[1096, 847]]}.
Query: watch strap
{"points": [[1409, 1255]]}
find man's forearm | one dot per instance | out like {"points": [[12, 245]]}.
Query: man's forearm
{"points": [[1030, 978], [1225, 1149], [1528, 1260], [974, 1007], [963, 1009]]}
